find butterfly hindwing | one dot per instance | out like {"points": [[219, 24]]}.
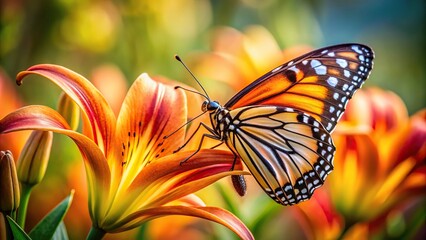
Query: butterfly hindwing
{"points": [[319, 83], [288, 152]]}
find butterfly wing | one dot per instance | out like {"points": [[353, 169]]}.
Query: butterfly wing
{"points": [[287, 151], [319, 83]]}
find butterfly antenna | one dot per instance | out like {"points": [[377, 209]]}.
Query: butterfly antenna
{"points": [[204, 90], [167, 136], [192, 91]]}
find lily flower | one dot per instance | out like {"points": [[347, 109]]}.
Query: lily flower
{"points": [[380, 157], [132, 174], [379, 169]]}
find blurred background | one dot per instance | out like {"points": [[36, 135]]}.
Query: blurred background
{"points": [[126, 38]]}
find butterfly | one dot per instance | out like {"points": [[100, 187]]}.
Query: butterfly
{"points": [[280, 124]]}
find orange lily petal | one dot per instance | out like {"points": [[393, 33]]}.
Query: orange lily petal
{"points": [[219, 160], [198, 172], [46, 119], [414, 139], [381, 110], [356, 166], [214, 214], [166, 180], [151, 110], [90, 100]]}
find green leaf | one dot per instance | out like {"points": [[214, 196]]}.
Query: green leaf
{"points": [[46, 228], [17, 231], [61, 232]]}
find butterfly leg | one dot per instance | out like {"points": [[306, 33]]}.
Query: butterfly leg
{"points": [[215, 146], [199, 146], [193, 134]]}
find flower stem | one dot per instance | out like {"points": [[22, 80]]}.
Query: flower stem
{"points": [[95, 233], [23, 205]]}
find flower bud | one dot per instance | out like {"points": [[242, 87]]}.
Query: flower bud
{"points": [[34, 157], [3, 227], [9, 185], [69, 110]]}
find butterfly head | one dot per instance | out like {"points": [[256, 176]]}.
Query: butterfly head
{"points": [[210, 106]]}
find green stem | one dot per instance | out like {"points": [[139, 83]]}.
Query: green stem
{"points": [[23, 205], [95, 233]]}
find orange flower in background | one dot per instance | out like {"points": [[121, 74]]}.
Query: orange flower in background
{"points": [[380, 157], [318, 217], [238, 58], [379, 169], [132, 175]]}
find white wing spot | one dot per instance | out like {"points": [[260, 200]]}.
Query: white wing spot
{"points": [[304, 62], [356, 49], [332, 81], [346, 73], [342, 62], [290, 63], [315, 63], [294, 69], [319, 69], [305, 119], [277, 69], [331, 54], [332, 109], [345, 87], [336, 96]]}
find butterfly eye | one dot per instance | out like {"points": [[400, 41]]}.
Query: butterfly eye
{"points": [[204, 107], [210, 106]]}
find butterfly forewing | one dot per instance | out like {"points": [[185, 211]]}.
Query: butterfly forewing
{"points": [[288, 152], [319, 83]]}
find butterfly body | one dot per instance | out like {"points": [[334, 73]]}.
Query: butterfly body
{"points": [[280, 124]]}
